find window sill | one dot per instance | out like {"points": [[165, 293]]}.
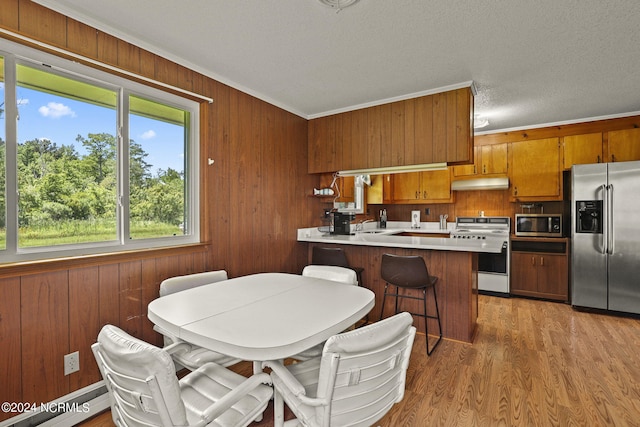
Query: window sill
{"points": [[64, 263]]}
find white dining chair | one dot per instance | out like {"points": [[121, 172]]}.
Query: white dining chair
{"points": [[333, 273], [197, 356], [343, 275], [359, 377], [145, 391]]}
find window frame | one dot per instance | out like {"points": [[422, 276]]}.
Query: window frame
{"points": [[14, 53]]}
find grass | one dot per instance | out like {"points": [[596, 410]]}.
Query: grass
{"points": [[74, 232]]}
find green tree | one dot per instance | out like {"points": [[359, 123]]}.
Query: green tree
{"points": [[57, 184], [44, 178], [163, 199], [101, 159]]}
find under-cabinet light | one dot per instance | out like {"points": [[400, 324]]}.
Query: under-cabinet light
{"points": [[395, 169]]}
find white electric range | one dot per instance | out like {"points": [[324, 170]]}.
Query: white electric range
{"points": [[493, 269]]}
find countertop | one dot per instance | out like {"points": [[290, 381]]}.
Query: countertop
{"points": [[370, 235]]}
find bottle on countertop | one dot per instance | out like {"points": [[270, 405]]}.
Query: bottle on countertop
{"points": [[383, 218]]}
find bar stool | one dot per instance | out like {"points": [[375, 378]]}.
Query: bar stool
{"points": [[335, 257], [410, 272]]}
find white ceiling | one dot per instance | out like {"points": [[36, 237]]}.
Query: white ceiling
{"points": [[533, 62]]}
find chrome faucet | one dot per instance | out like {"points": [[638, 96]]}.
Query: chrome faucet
{"points": [[360, 225]]}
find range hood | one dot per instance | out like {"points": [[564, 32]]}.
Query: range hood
{"points": [[480, 184]]}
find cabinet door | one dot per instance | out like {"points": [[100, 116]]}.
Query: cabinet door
{"points": [[435, 186], [534, 169], [469, 170], [624, 145], [524, 278], [493, 159], [346, 184], [322, 145], [582, 149], [406, 186], [553, 276]]}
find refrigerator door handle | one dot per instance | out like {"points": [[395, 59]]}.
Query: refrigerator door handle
{"points": [[605, 225], [610, 240]]}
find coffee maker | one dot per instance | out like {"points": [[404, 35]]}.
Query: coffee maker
{"points": [[341, 222]]}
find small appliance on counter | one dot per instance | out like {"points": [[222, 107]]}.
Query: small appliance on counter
{"points": [[415, 219], [443, 222], [341, 223]]}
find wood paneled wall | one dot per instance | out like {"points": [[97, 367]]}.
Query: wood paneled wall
{"points": [[253, 198], [45, 315]]}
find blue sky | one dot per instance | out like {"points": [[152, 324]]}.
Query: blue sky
{"points": [[61, 119]]}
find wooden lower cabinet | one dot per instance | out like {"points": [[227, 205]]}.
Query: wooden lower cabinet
{"points": [[457, 286], [540, 268]]}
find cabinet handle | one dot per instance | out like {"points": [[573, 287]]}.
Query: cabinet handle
{"points": [[417, 194], [475, 171], [613, 157], [484, 169], [533, 260], [542, 261], [598, 159], [515, 191], [424, 195]]}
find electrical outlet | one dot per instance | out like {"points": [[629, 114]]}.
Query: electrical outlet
{"points": [[427, 211], [71, 362]]}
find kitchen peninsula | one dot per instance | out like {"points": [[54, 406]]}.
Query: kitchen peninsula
{"points": [[453, 261]]}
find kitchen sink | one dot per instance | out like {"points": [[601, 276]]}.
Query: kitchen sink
{"points": [[376, 231]]}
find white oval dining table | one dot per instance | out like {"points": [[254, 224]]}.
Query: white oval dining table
{"points": [[264, 316]]}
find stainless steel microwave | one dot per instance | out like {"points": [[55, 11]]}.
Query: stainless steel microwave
{"points": [[539, 225]]}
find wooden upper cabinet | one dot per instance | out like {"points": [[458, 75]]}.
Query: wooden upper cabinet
{"points": [[424, 144], [582, 149], [459, 125], [357, 143], [429, 129], [624, 145], [493, 159], [488, 160], [469, 170], [406, 187], [620, 146], [322, 145], [534, 170], [422, 187], [346, 186]]}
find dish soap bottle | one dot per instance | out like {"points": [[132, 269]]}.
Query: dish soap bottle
{"points": [[383, 218]]}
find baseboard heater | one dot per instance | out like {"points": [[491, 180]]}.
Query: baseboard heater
{"points": [[66, 411]]}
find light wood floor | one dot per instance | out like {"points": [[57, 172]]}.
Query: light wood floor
{"points": [[533, 363]]}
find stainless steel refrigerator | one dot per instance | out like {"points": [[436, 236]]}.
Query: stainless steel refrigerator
{"points": [[605, 224]]}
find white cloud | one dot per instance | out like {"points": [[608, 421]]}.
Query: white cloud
{"points": [[55, 110], [148, 134]]}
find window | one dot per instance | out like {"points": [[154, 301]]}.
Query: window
{"points": [[96, 162], [3, 217]]}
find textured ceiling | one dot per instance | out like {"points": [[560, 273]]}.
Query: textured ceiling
{"points": [[533, 62]]}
